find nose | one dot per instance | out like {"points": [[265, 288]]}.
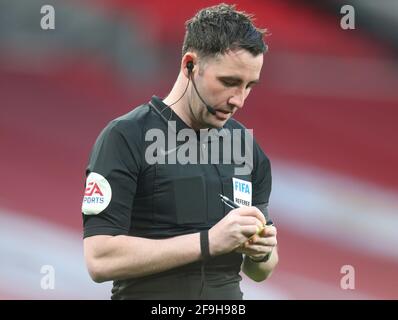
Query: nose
{"points": [[238, 99]]}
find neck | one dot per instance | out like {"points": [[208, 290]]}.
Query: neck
{"points": [[181, 108]]}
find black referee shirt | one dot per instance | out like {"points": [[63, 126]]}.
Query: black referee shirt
{"points": [[130, 192]]}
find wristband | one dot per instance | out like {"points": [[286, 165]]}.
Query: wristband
{"points": [[204, 245], [264, 259]]}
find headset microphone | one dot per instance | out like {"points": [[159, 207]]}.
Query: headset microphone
{"points": [[190, 68]]}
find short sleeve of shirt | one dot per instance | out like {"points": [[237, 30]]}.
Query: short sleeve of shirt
{"points": [[111, 182], [262, 180]]}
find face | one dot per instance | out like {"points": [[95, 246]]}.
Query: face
{"points": [[224, 82]]}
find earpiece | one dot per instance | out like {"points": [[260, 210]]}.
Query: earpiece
{"points": [[190, 66]]}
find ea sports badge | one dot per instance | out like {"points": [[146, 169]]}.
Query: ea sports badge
{"points": [[97, 195]]}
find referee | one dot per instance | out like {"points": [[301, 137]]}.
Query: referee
{"points": [[153, 219]]}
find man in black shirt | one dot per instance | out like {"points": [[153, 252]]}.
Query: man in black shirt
{"points": [[153, 219]]}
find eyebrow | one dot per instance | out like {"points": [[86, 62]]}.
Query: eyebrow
{"points": [[237, 79]]}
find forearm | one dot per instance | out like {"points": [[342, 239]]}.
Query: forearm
{"points": [[260, 271], [121, 257]]}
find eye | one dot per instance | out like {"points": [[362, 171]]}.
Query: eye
{"points": [[228, 83]]}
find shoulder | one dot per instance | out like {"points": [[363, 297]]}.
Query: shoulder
{"points": [[130, 126], [124, 133], [132, 121]]}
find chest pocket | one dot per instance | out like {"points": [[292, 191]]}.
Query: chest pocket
{"points": [[180, 195]]}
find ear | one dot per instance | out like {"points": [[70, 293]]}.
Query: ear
{"points": [[188, 57]]}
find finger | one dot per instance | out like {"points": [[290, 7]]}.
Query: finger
{"points": [[252, 211], [259, 233], [253, 239], [248, 231], [269, 241], [269, 231], [254, 249], [249, 220]]}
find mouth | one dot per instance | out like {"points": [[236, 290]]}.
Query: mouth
{"points": [[222, 115]]}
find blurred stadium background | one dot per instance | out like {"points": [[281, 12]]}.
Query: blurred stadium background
{"points": [[326, 113]]}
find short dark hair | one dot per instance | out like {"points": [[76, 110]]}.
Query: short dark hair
{"points": [[216, 29]]}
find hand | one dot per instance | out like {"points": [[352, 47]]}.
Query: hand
{"points": [[234, 229], [260, 245]]}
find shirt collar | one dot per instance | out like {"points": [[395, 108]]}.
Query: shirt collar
{"points": [[167, 114]]}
